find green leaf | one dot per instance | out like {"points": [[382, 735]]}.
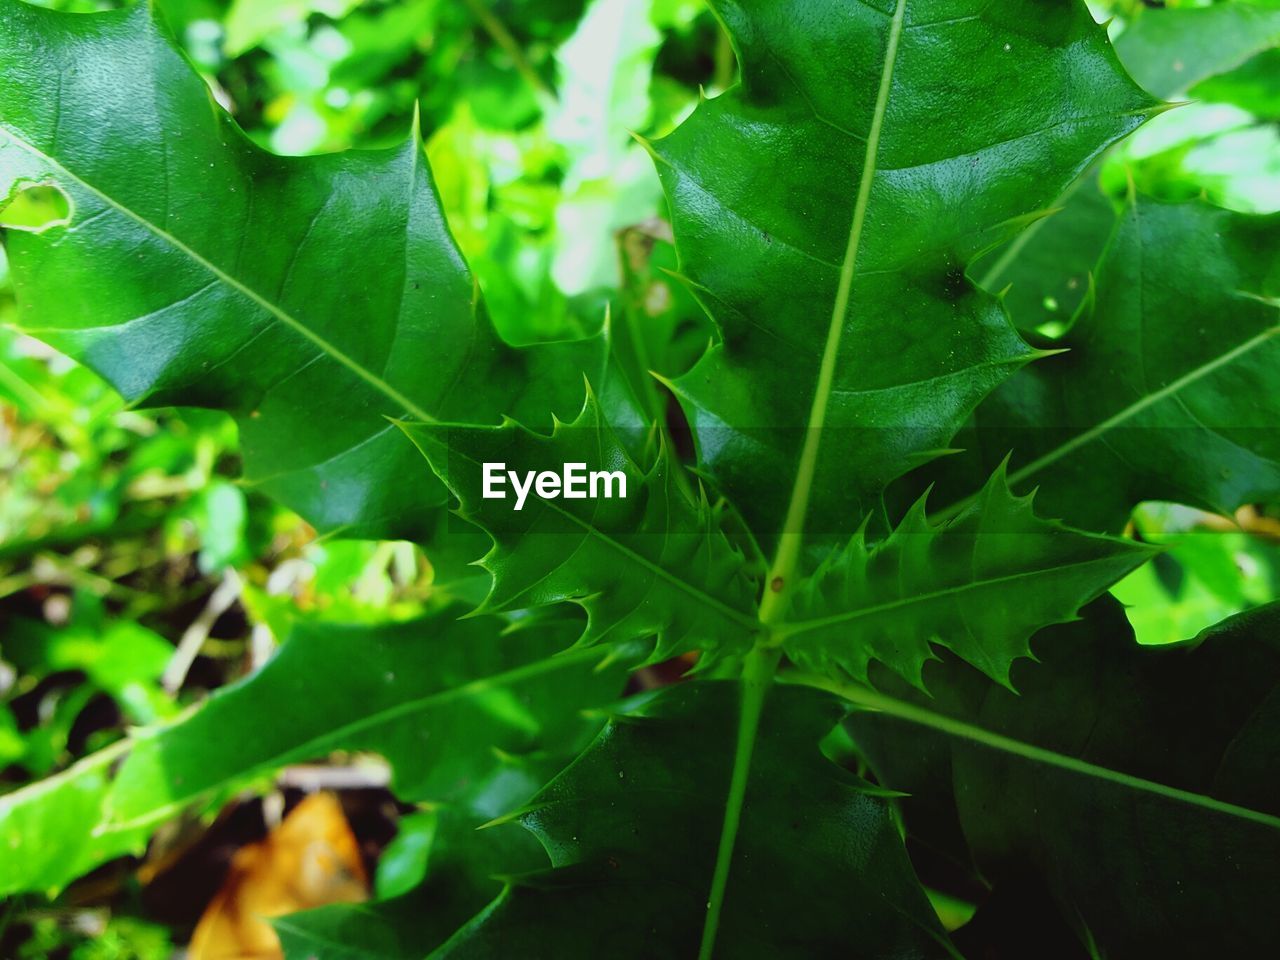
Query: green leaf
{"points": [[249, 22], [979, 585], [825, 211], [1169, 51], [1203, 576], [1167, 388], [455, 707], [119, 657], [652, 562], [398, 929], [1047, 268], [48, 826], [1045, 274], [630, 829], [310, 297], [1254, 86], [1138, 783]]}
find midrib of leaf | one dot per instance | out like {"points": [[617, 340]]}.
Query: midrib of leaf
{"points": [[762, 661], [569, 658], [1174, 387], [891, 706], [282, 315], [794, 628], [774, 606]]}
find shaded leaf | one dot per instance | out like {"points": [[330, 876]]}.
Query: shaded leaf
{"points": [[1167, 391], [1137, 783], [631, 829]]}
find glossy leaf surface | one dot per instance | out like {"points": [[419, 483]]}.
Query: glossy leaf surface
{"points": [[825, 211], [310, 297]]}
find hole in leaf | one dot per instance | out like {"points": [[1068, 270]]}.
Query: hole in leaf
{"points": [[35, 208]]}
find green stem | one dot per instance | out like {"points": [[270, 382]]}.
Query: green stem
{"points": [[762, 662], [757, 677], [503, 38], [726, 62]]}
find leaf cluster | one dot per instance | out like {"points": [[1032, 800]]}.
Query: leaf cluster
{"points": [[877, 514]]}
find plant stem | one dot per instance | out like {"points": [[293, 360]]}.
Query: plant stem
{"points": [[762, 662], [757, 678], [503, 38], [726, 62]]}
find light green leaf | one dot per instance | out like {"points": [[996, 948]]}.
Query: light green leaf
{"points": [[310, 297], [249, 22], [1254, 86], [1203, 576], [459, 709], [1170, 50]]}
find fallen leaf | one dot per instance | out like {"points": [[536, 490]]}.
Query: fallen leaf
{"points": [[310, 860]]}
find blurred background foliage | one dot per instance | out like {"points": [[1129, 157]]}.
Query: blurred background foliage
{"points": [[137, 574]]}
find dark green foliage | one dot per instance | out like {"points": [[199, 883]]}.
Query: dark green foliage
{"points": [[831, 477], [1135, 784]]}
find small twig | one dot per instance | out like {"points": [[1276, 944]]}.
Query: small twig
{"points": [[366, 775], [503, 38], [220, 601]]}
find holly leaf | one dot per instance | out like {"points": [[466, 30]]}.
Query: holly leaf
{"points": [[642, 555], [311, 298], [1150, 766], [825, 211], [1166, 391], [979, 585], [1172, 52], [631, 831], [457, 707], [1046, 273]]}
